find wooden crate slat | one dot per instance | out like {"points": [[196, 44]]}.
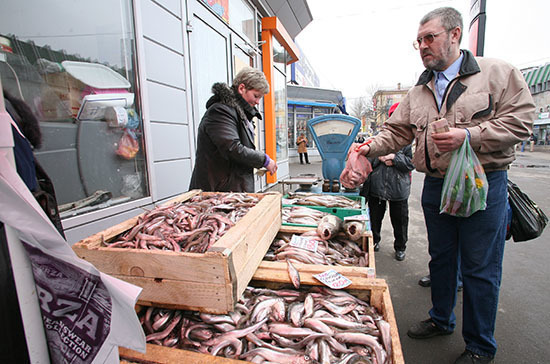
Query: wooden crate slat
{"points": [[158, 264], [167, 293], [268, 271], [247, 271], [387, 306], [164, 355]]}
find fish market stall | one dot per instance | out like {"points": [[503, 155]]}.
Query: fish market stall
{"points": [[198, 251], [304, 209], [279, 324], [348, 260]]}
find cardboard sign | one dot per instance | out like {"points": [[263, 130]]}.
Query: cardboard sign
{"points": [[332, 279], [303, 242]]}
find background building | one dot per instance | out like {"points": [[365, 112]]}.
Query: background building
{"points": [[538, 79], [305, 103], [382, 100]]}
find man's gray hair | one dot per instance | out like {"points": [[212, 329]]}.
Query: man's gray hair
{"points": [[252, 78], [450, 18]]}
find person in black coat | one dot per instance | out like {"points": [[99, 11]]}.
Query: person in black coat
{"points": [[226, 155], [390, 180], [27, 136]]}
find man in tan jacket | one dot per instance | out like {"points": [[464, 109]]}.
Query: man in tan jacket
{"points": [[487, 101]]}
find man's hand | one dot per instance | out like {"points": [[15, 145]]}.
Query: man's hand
{"points": [[364, 150], [387, 159], [450, 140], [272, 166]]}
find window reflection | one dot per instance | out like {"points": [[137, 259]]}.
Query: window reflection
{"points": [[73, 63], [242, 18], [280, 115]]}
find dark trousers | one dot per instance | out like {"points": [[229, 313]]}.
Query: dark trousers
{"points": [[477, 244], [301, 158], [399, 216]]}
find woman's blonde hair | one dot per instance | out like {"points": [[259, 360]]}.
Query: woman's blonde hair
{"points": [[252, 78]]}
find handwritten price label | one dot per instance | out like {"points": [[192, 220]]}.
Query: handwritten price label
{"points": [[357, 218], [304, 243], [332, 279]]}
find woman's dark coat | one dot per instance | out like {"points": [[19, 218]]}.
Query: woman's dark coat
{"points": [[390, 183], [226, 154]]}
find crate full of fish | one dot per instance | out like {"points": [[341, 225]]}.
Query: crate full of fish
{"points": [[278, 324], [306, 209], [302, 250], [197, 251]]}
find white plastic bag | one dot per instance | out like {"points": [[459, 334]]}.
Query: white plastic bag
{"points": [[465, 186]]}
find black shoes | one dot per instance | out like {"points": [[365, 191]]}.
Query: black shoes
{"points": [[468, 357], [425, 281], [400, 255], [376, 247], [426, 329]]}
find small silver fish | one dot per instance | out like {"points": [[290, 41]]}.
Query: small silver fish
{"points": [[293, 274]]}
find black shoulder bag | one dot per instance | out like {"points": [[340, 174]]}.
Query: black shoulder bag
{"points": [[528, 220]]}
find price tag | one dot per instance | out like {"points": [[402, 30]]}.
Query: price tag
{"points": [[371, 273], [332, 279], [305, 243], [357, 218]]}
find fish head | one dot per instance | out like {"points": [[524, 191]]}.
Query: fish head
{"points": [[278, 311], [304, 359], [360, 360]]}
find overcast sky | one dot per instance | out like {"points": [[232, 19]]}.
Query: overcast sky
{"points": [[357, 45]]}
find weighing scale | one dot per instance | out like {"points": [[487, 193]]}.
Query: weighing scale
{"points": [[333, 135]]}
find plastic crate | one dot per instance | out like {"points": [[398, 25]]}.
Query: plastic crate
{"points": [[339, 211]]}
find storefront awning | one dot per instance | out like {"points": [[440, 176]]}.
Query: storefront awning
{"points": [[538, 122], [538, 75], [294, 14]]}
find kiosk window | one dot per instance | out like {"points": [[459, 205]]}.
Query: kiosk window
{"points": [[74, 64]]}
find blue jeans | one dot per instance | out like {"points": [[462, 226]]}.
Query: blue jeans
{"points": [[479, 240]]}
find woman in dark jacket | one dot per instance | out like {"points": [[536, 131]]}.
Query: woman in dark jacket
{"points": [[26, 136], [390, 180], [226, 155]]}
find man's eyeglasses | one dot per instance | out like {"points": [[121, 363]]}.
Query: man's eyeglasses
{"points": [[427, 39]]}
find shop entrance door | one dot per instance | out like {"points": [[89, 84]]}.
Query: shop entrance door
{"points": [[210, 45]]}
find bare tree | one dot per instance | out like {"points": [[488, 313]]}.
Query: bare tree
{"points": [[363, 108], [359, 107]]}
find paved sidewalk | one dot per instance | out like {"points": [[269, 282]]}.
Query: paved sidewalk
{"points": [[522, 324]]}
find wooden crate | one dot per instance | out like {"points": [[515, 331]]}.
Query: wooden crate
{"points": [[365, 272], [374, 290], [209, 282]]}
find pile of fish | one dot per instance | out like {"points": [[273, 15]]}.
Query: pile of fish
{"points": [[302, 215], [191, 226], [318, 325], [325, 200], [335, 251]]}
